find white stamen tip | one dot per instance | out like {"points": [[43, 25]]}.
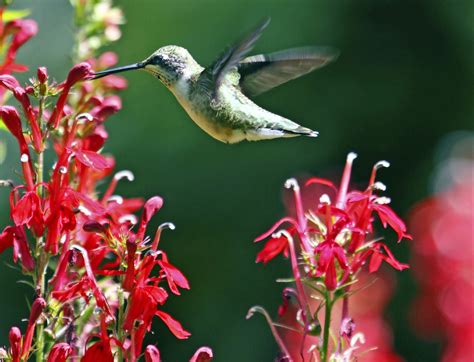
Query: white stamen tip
{"points": [[325, 199], [124, 174], [381, 164], [24, 158], [63, 239], [84, 210], [132, 219], [63, 170], [167, 225], [116, 198], [379, 186], [84, 117], [284, 233], [358, 338], [351, 156], [383, 200], [291, 183]]}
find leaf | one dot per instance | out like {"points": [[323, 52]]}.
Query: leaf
{"points": [[2, 125], [30, 284], [9, 15]]}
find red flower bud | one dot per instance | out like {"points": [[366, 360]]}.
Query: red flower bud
{"points": [[152, 354], [77, 73], [60, 352], [42, 73], [36, 309], [15, 343]]}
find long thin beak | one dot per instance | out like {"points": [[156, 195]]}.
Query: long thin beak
{"points": [[118, 70]]}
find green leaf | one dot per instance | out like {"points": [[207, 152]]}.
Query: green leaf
{"points": [[2, 125], [10, 15]]}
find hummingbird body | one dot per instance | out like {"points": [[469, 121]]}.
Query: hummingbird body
{"points": [[234, 117], [215, 98]]}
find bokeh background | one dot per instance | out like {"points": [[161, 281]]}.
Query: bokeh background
{"points": [[402, 83]]}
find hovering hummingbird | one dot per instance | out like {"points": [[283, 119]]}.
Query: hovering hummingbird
{"points": [[216, 97]]}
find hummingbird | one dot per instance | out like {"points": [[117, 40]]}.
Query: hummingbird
{"points": [[217, 98]]}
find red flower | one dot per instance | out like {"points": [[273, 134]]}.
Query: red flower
{"points": [[272, 248], [22, 30], [15, 237], [28, 211], [101, 350], [11, 119], [329, 251], [82, 287]]}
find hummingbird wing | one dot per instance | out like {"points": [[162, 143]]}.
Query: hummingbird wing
{"points": [[262, 72], [212, 76]]}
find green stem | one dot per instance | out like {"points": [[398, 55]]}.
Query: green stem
{"points": [[327, 324], [42, 257], [121, 300]]}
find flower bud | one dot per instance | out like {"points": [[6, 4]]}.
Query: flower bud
{"points": [[42, 73]]}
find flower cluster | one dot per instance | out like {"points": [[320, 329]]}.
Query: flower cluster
{"points": [[328, 245], [99, 279], [443, 259], [98, 23]]}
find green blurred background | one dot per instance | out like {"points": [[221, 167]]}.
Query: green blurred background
{"points": [[403, 81]]}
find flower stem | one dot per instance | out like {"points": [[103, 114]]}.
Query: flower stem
{"points": [[121, 301], [41, 256], [327, 324]]}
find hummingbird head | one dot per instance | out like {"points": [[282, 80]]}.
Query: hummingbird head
{"points": [[170, 63]]}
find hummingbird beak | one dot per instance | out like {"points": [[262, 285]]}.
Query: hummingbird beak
{"points": [[125, 68]]}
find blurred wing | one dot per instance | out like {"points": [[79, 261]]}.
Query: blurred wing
{"points": [[260, 73], [214, 74]]}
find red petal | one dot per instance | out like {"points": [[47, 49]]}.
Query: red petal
{"points": [[272, 248], [92, 159], [99, 351], [175, 327], [320, 181], [388, 216], [331, 277], [25, 209], [276, 226], [174, 275]]}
